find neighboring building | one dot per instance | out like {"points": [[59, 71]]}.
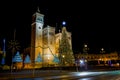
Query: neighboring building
{"points": [[99, 58], [45, 41], [103, 57]]}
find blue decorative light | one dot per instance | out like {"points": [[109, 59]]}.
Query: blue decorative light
{"points": [[4, 54], [39, 58], [27, 59], [3, 40], [56, 60], [3, 61], [17, 57]]}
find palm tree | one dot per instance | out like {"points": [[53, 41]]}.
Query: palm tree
{"points": [[65, 51]]}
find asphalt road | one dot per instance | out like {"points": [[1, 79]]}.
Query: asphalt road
{"points": [[61, 75]]}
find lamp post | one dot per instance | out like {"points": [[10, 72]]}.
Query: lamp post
{"points": [[63, 61], [102, 52]]}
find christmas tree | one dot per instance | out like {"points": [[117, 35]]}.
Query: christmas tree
{"points": [[65, 50], [39, 58], [17, 57], [56, 60], [27, 59]]}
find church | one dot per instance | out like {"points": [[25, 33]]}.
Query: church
{"points": [[52, 48]]}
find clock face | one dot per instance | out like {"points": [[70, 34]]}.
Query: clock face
{"points": [[39, 19], [39, 26]]}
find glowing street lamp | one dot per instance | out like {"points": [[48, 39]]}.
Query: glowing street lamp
{"points": [[63, 61], [63, 56], [102, 50]]}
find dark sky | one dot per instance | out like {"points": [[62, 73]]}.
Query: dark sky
{"points": [[94, 23]]}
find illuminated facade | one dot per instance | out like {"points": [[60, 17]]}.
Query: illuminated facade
{"points": [[44, 41], [105, 58]]}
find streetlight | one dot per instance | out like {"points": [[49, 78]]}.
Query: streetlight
{"points": [[63, 62], [102, 50], [63, 56]]}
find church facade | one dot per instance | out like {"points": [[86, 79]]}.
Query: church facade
{"points": [[46, 43]]}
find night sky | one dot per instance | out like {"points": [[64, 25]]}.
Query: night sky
{"points": [[94, 23]]}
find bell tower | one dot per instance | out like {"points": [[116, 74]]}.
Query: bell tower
{"points": [[36, 35]]}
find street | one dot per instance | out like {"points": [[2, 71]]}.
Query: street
{"points": [[62, 75]]}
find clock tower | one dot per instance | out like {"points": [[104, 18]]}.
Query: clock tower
{"points": [[36, 35]]}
